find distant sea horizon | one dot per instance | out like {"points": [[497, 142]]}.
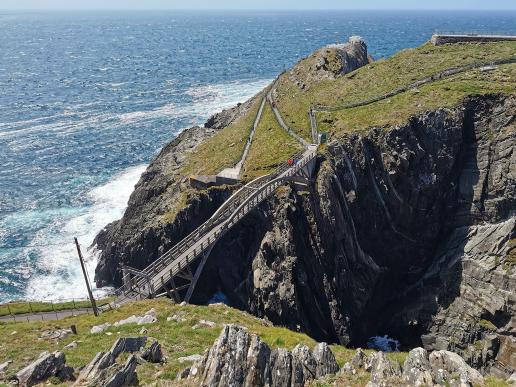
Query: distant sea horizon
{"points": [[89, 98]]}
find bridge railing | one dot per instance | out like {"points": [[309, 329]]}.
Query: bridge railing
{"points": [[218, 217], [251, 202]]}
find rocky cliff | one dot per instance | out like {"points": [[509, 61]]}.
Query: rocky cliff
{"points": [[406, 230]]}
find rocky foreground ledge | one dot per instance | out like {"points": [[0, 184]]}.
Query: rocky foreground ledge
{"points": [[239, 358]]}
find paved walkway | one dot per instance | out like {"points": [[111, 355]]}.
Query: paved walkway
{"points": [[45, 316], [235, 172]]}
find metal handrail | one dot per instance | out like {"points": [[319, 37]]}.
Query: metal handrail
{"points": [[181, 261], [196, 235]]}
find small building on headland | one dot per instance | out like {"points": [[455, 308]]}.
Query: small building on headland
{"points": [[440, 39], [207, 181]]}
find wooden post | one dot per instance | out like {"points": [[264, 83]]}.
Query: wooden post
{"points": [[90, 294]]}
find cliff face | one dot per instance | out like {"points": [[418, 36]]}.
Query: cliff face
{"points": [[154, 219], [406, 231]]}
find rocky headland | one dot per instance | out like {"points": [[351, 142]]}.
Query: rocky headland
{"points": [[407, 229]]}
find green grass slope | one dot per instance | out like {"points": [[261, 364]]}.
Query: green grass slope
{"points": [[383, 76], [271, 146], [22, 343]]}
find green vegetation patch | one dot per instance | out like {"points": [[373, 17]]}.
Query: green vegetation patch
{"points": [[23, 343], [448, 92], [23, 307], [487, 324], [271, 146], [225, 148], [510, 258], [378, 77]]}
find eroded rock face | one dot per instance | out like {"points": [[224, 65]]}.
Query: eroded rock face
{"points": [[440, 368], [103, 370], [46, 366], [447, 366], [416, 369], [147, 230], [238, 358], [405, 232]]}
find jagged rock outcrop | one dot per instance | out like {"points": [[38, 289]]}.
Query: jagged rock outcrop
{"points": [[338, 59], [238, 358], [46, 366], [440, 368], [154, 353], [447, 365], [416, 369], [406, 233], [103, 370], [330, 62]]}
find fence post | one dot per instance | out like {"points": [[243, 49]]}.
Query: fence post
{"points": [[11, 313], [54, 309], [90, 294]]}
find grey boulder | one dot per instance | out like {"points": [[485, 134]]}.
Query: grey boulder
{"points": [[46, 366]]}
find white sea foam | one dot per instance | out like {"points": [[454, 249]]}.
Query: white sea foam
{"points": [[58, 271], [207, 100], [57, 274]]}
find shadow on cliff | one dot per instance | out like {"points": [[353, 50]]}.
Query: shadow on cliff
{"points": [[433, 283]]}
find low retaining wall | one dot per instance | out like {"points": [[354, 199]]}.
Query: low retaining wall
{"points": [[439, 39]]}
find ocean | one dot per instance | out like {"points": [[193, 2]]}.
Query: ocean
{"points": [[87, 99]]}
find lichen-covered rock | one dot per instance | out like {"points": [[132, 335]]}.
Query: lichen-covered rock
{"points": [[103, 369], [280, 367], [416, 369], [325, 362], [448, 367], [46, 366], [383, 369], [238, 358], [100, 328], [303, 366]]}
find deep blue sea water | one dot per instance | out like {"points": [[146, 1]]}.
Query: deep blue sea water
{"points": [[87, 99]]}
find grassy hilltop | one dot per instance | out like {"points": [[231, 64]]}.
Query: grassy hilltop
{"points": [[372, 80], [272, 146]]}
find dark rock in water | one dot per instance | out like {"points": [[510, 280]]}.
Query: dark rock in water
{"points": [[46, 366], [238, 358]]}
